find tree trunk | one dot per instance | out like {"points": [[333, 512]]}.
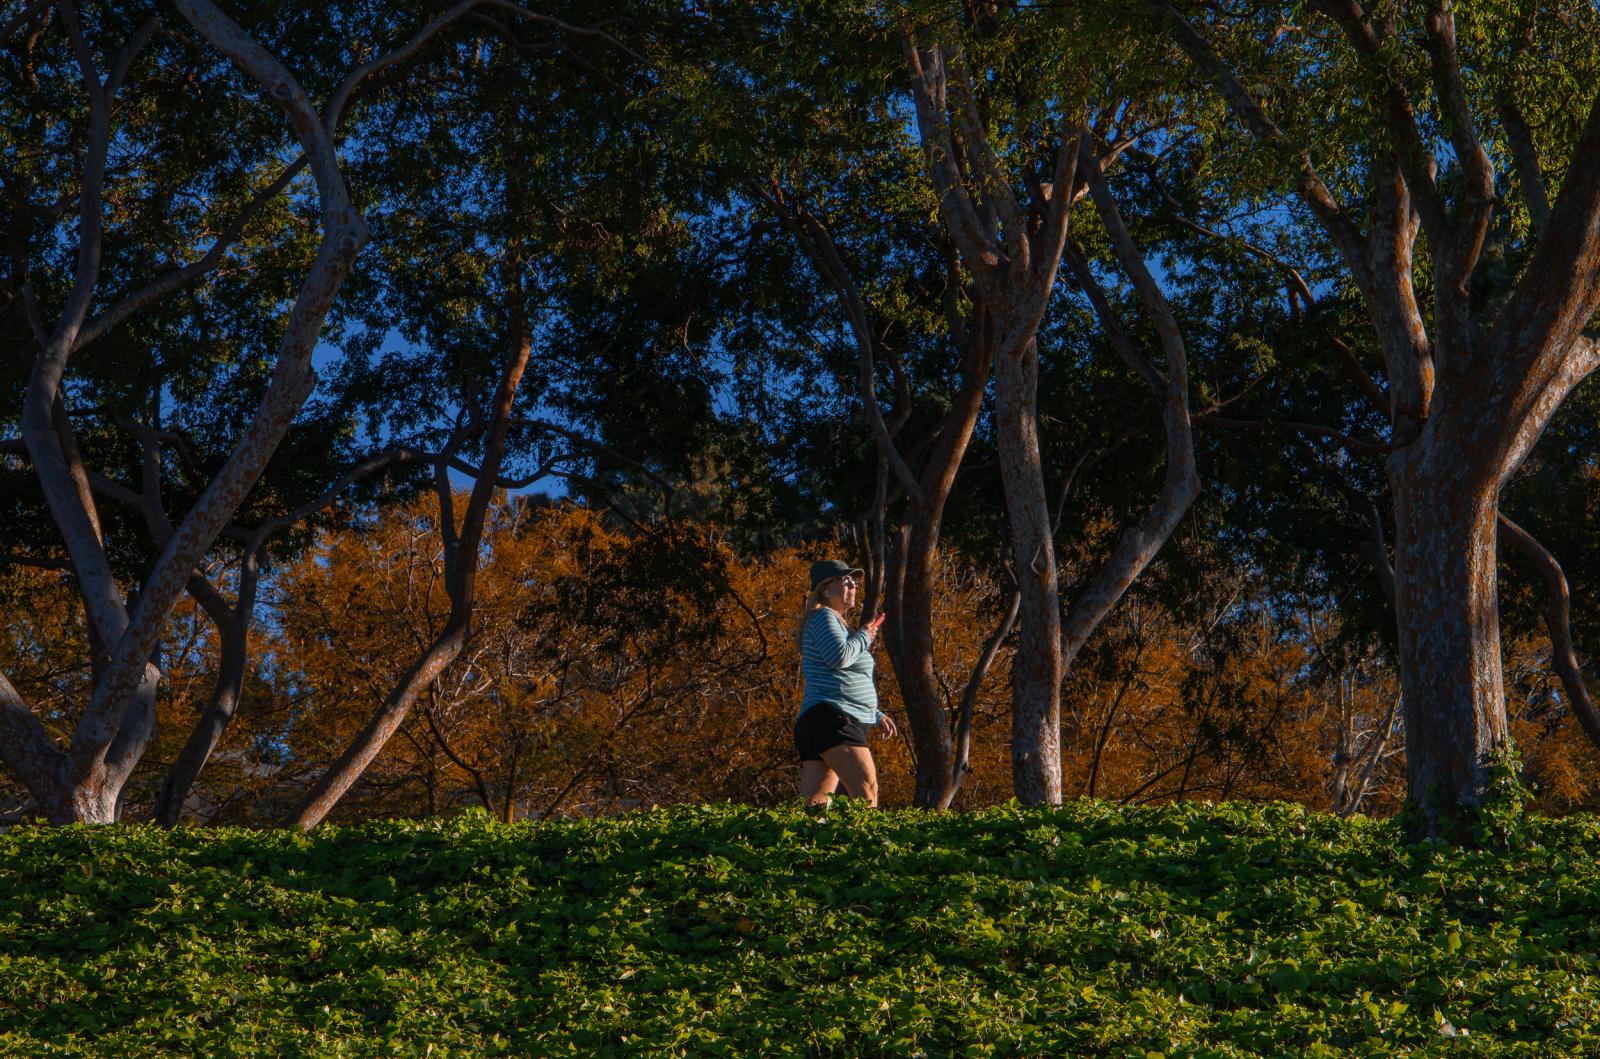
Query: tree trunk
{"points": [[910, 648], [1036, 669], [461, 559], [1447, 616], [343, 774], [95, 795], [203, 740]]}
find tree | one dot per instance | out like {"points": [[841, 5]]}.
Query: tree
{"points": [[1468, 393], [116, 724], [1009, 221]]}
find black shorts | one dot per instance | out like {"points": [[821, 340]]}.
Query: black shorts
{"points": [[823, 727]]}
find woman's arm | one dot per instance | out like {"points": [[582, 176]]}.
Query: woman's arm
{"points": [[833, 645]]}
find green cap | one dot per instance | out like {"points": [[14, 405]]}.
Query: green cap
{"points": [[831, 568]]}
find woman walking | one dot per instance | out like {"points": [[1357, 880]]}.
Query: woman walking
{"points": [[840, 702]]}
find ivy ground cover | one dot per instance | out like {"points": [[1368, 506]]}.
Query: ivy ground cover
{"points": [[1187, 930]]}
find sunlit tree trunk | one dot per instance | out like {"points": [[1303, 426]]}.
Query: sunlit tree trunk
{"points": [[1468, 401], [1036, 670]]}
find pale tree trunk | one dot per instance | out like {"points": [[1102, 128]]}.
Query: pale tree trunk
{"points": [[1011, 245], [1036, 671], [1012, 242], [85, 781]]}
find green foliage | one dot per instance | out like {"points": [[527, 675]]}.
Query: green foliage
{"points": [[1503, 819], [1185, 930]]}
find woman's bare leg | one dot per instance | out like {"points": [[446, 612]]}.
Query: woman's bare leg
{"points": [[817, 782], [856, 771]]}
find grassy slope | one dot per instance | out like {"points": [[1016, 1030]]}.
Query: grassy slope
{"points": [[1188, 930]]}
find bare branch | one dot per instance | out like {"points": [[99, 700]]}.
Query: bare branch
{"points": [[1138, 545], [1553, 301], [461, 570], [122, 62], [1375, 754], [362, 469], [1557, 620], [599, 449], [1373, 547], [39, 562], [1357, 374]]}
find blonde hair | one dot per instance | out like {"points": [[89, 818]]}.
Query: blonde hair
{"points": [[813, 601]]}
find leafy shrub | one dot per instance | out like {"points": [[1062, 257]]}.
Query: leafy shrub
{"points": [[1185, 930]]}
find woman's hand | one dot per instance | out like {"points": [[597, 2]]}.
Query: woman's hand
{"points": [[874, 624], [886, 725]]}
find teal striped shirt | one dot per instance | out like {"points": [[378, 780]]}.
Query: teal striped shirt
{"points": [[837, 665]]}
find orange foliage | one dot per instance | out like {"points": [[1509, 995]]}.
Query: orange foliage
{"points": [[613, 668]]}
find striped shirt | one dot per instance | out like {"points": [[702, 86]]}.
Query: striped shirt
{"points": [[837, 665]]}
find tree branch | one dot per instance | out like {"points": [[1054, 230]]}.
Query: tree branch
{"points": [[928, 96], [1324, 205], [335, 108], [1557, 621], [1138, 545], [1415, 159], [567, 27], [23, 17], [817, 243], [1355, 446], [177, 279], [344, 233], [1478, 197], [1520, 139], [1110, 321]]}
